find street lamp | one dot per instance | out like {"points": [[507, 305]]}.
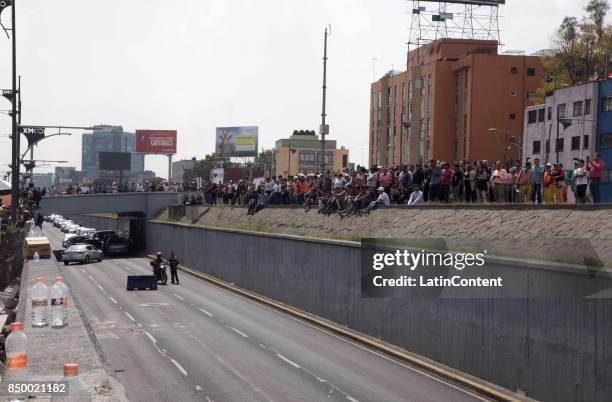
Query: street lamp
{"points": [[507, 144]]}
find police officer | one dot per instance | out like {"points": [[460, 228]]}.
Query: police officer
{"points": [[173, 262]]}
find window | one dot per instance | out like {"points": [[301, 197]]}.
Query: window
{"points": [[532, 116], [537, 145], [429, 83], [561, 111], [559, 145], [585, 142], [307, 158], [531, 72], [512, 93], [577, 109], [513, 70], [549, 112], [587, 107], [575, 143], [531, 95], [606, 104], [512, 116], [541, 113], [606, 140]]}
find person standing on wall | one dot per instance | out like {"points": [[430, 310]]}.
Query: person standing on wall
{"points": [[173, 262]]}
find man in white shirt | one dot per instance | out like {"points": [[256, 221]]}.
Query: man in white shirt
{"points": [[383, 199], [416, 197], [581, 180]]}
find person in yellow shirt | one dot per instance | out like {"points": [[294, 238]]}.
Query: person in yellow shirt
{"points": [[548, 184]]}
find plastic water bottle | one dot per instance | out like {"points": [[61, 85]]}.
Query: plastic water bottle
{"points": [[36, 256], [16, 358], [39, 303], [77, 389], [60, 281], [56, 300]]}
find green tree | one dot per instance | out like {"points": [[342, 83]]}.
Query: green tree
{"points": [[580, 49]]}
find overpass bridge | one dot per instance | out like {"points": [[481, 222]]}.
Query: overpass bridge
{"points": [[145, 204]]}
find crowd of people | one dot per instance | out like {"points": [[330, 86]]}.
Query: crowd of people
{"points": [[363, 190]]}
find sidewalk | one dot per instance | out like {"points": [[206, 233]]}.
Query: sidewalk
{"points": [[49, 349]]}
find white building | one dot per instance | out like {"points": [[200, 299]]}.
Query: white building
{"points": [[572, 136]]}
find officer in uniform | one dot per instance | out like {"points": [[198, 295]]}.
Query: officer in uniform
{"points": [[173, 262]]}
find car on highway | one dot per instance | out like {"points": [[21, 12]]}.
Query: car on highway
{"points": [[102, 234], [67, 237], [87, 232], [115, 245], [58, 221], [82, 253], [82, 240]]}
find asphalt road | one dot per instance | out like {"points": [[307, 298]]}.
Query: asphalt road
{"points": [[197, 342]]}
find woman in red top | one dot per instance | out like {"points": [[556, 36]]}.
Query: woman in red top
{"points": [[595, 168]]}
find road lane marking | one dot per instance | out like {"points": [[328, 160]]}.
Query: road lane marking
{"points": [[350, 398], [150, 337], [179, 367], [198, 388], [100, 287], [112, 299], [209, 400], [129, 316], [288, 361], [154, 304], [238, 331], [206, 312], [178, 297], [91, 277]]}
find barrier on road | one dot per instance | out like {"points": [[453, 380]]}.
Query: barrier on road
{"points": [[555, 349]]}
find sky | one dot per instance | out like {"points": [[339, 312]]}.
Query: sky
{"points": [[193, 65]]}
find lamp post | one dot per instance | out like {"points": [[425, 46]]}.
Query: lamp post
{"points": [[324, 128], [508, 141]]}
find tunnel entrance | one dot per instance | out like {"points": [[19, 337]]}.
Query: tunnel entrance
{"points": [[131, 225]]}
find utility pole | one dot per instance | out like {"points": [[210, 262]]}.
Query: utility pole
{"points": [[323, 127], [15, 193]]}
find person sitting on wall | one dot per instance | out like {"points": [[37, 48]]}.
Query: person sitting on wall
{"points": [[383, 199]]}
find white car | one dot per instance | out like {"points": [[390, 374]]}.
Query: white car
{"points": [[82, 253], [66, 237], [88, 232]]}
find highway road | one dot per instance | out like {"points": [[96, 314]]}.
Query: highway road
{"points": [[197, 342]]}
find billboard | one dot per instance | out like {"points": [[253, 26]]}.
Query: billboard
{"points": [[63, 174], [156, 141], [236, 141], [114, 160]]}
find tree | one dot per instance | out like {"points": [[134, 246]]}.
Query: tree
{"points": [[201, 169], [580, 50]]}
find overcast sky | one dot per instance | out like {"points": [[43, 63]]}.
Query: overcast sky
{"points": [[193, 65]]}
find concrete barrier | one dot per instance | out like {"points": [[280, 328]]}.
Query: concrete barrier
{"points": [[553, 348]]}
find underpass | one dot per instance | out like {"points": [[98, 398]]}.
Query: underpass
{"points": [[199, 342]]}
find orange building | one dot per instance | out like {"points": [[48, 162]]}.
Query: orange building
{"points": [[444, 105]]}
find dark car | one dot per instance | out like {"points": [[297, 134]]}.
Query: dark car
{"points": [[114, 245], [101, 235], [84, 240]]}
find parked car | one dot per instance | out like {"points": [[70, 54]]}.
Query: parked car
{"points": [[102, 234], [114, 245], [82, 240], [82, 253], [67, 237], [87, 232]]}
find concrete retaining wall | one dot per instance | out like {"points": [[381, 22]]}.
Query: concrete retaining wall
{"points": [[97, 222], [555, 349], [11, 256]]}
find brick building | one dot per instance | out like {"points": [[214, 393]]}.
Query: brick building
{"points": [[444, 105]]}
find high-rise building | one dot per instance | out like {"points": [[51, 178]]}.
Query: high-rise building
{"points": [[445, 103], [179, 168], [106, 138]]}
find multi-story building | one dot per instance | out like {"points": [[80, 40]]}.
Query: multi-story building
{"points": [[301, 153], [106, 138], [444, 105], [179, 168], [42, 180], [573, 123]]}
